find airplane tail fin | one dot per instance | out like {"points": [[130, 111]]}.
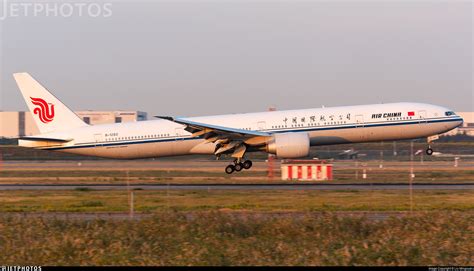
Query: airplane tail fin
{"points": [[49, 113]]}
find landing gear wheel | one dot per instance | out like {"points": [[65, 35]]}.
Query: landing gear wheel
{"points": [[229, 169], [429, 151], [247, 164], [238, 167]]}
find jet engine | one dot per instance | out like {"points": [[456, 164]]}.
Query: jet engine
{"points": [[289, 145]]}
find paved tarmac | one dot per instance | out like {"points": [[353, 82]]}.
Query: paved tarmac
{"points": [[249, 187]]}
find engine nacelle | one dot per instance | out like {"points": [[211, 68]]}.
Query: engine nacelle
{"points": [[289, 145]]}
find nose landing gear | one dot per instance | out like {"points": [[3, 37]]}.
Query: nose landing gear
{"points": [[429, 150], [238, 166]]}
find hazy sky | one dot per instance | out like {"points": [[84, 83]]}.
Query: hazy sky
{"points": [[193, 58]]}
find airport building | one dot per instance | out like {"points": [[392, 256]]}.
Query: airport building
{"points": [[16, 124]]}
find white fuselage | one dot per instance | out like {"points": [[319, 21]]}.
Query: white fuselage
{"points": [[325, 126]]}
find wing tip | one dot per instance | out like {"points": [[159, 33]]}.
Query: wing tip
{"points": [[165, 118]]}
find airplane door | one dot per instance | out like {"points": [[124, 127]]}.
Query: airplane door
{"points": [[99, 140], [360, 134], [359, 121], [178, 148], [179, 134], [422, 114], [261, 125]]}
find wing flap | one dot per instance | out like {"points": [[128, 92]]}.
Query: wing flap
{"points": [[227, 139]]}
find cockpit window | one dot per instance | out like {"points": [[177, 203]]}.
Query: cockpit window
{"points": [[449, 113]]}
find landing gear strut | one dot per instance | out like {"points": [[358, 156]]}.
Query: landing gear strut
{"points": [[429, 150], [238, 166]]}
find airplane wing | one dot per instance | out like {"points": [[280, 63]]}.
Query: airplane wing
{"points": [[228, 139], [193, 127]]}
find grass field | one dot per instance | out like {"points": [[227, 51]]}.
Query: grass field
{"points": [[233, 227], [217, 238], [84, 200], [218, 227]]}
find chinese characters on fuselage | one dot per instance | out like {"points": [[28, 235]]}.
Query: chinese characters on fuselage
{"points": [[313, 118]]}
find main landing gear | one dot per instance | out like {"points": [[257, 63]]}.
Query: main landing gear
{"points": [[429, 150], [238, 166]]}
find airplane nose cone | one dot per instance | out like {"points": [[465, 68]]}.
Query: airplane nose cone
{"points": [[456, 123], [460, 122]]}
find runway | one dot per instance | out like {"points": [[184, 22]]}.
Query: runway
{"points": [[205, 165], [249, 187]]}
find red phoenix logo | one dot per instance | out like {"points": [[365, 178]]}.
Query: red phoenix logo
{"points": [[44, 110]]}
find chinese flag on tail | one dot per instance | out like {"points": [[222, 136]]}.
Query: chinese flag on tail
{"points": [[411, 113]]}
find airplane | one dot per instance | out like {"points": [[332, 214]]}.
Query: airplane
{"points": [[348, 154], [287, 134]]}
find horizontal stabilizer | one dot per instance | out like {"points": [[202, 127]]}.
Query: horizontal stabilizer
{"points": [[59, 140]]}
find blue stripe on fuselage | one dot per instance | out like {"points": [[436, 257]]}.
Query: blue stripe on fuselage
{"points": [[285, 130]]}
